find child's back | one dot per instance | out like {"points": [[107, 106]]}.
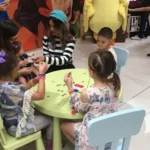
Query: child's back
{"points": [[101, 101]]}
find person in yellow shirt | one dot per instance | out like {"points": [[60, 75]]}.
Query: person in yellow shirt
{"points": [[105, 13]]}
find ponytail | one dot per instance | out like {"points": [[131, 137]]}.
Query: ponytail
{"points": [[116, 82]]}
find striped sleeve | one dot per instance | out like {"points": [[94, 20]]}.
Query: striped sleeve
{"points": [[45, 45], [63, 59]]}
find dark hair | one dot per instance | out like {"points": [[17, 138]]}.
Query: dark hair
{"points": [[106, 32], [8, 66], [102, 63], [16, 45], [8, 29], [62, 31]]}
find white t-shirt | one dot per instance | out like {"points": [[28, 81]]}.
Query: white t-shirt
{"points": [[114, 53]]}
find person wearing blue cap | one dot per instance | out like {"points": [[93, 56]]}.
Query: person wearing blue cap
{"points": [[58, 44]]}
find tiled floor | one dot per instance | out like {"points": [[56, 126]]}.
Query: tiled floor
{"points": [[135, 78]]}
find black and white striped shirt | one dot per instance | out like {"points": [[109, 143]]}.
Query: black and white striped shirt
{"points": [[57, 55]]}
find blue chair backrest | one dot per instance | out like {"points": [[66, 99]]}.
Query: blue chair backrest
{"points": [[122, 56], [113, 127]]}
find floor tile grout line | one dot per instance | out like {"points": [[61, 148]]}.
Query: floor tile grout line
{"points": [[147, 114], [134, 96], [135, 79]]}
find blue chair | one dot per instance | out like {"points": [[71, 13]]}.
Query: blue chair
{"points": [[113, 127], [122, 57]]}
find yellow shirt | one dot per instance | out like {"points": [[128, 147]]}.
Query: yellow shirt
{"points": [[105, 13]]}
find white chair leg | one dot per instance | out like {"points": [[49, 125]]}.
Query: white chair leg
{"points": [[39, 144]]}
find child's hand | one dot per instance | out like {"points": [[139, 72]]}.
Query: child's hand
{"points": [[22, 63], [131, 10], [3, 6], [38, 59], [42, 67], [36, 80], [25, 71], [68, 80], [30, 55]]}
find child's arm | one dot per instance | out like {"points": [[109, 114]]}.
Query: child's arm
{"points": [[63, 59], [32, 83], [22, 63], [35, 69], [30, 55], [25, 71], [79, 103], [45, 46], [40, 94]]}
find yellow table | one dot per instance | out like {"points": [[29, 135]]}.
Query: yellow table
{"points": [[56, 102]]}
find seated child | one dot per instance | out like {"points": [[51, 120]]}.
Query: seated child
{"points": [[58, 44], [23, 62], [104, 40], [9, 34], [99, 100], [16, 100]]}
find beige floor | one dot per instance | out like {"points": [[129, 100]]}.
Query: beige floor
{"points": [[135, 78]]}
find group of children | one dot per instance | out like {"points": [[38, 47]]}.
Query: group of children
{"points": [[18, 76]]}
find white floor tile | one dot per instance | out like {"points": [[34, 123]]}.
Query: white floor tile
{"points": [[80, 64], [142, 140], [140, 101], [131, 87]]}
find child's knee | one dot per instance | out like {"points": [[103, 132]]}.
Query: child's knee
{"points": [[62, 126]]}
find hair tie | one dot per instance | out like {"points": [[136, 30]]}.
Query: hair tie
{"points": [[2, 55], [110, 76], [15, 46]]}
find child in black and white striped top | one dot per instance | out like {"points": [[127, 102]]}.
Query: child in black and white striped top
{"points": [[58, 44]]}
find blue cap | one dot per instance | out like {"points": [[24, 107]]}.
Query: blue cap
{"points": [[60, 15]]}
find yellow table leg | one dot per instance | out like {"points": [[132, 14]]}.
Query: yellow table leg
{"points": [[57, 141]]}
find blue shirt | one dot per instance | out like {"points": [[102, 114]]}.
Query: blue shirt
{"points": [[3, 14]]}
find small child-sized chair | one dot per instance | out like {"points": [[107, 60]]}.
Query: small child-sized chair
{"points": [[11, 143], [113, 127], [122, 57]]}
